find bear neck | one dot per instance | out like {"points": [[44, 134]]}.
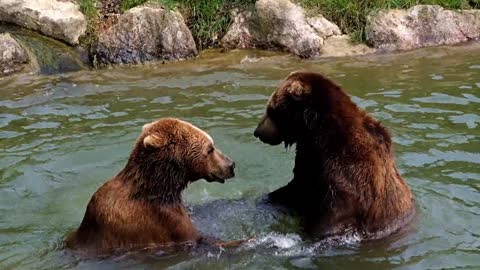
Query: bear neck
{"points": [[327, 134], [332, 129], [154, 180]]}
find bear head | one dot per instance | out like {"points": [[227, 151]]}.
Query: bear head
{"points": [[182, 148], [298, 106]]}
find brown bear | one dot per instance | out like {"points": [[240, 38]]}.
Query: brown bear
{"points": [[142, 205], [345, 177]]}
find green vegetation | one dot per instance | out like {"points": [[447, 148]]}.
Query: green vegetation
{"points": [[88, 7], [351, 15], [128, 4], [207, 19]]}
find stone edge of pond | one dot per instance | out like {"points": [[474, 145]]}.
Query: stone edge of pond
{"points": [[13, 57], [152, 33]]}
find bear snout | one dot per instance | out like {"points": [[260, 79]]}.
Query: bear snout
{"points": [[232, 168], [256, 133], [223, 169], [268, 132]]}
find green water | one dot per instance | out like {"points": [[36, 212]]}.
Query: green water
{"points": [[62, 136]]}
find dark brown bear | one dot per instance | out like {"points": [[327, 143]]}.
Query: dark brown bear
{"points": [[345, 177], [142, 206]]}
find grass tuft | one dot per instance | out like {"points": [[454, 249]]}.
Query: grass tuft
{"points": [[207, 19], [128, 4], [89, 8]]}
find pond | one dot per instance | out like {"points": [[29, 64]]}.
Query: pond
{"points": [[62, 136]]}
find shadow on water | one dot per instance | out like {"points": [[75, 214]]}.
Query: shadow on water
{"points": [[48, 56]]}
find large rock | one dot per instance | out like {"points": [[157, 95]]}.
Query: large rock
{"points": [[279, 24], [285, 26], [244, 31], [12, 56], [54, 18], [144, 34], [421, 26], [341, 46], [323, 27]]}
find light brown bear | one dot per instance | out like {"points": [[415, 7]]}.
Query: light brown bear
{"points": [[345, 177], [142, 205]]}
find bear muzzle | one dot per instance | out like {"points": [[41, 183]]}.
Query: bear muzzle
{"points": [[268, 132], [224, 171]]}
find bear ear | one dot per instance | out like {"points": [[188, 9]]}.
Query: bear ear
{"points": [[146, 126], [296, 90], [154, 140]]}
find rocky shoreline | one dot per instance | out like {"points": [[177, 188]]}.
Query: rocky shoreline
{"points": [[151, 32], [13, 57]]}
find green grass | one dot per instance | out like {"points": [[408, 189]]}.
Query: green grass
{"points": [[351, 16], [207, 19], [88, 7], [128, 4]]}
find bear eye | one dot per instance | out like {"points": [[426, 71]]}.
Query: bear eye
{"points": [[210, 150]]}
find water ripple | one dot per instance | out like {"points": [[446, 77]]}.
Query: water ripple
{"points": [[63, 136]]}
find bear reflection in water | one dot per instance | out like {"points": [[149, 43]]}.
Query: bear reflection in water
{"points": [[142, 205], [345, 176]]}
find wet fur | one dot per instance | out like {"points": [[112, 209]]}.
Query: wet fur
{"points": [[142, 205], [345, 176]]}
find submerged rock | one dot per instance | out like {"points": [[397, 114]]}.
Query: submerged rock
{"points": [[54, 18], [144, 34], [421, 26], [12, 56], [279, 24]]}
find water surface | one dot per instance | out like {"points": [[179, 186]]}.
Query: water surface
{"points": [[62, 136]]}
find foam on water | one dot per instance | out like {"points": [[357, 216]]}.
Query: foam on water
{"points": [[293, 245], [280, 241]]}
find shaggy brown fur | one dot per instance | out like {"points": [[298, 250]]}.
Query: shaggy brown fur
{"points": [[142, 206], [345, 177]]}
